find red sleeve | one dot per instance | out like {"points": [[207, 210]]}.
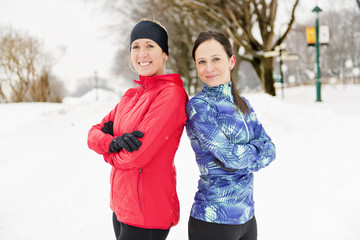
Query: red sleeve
{"points": [[166, 114], [97, 140]]}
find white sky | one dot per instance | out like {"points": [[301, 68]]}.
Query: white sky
{"points": [[82, 29]]}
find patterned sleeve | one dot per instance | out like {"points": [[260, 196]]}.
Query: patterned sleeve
{"points": [[263, 144], [202, 124]]}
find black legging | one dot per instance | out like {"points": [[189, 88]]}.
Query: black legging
{"points": [[200, 230], [127, 232]]}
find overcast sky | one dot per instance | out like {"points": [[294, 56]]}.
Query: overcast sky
{"points": [[76, 33]]}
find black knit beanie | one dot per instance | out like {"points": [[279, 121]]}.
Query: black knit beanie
{"points": [[150, 30]]}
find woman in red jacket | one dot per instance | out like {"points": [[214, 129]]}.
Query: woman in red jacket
{"points": [[139, 138]]}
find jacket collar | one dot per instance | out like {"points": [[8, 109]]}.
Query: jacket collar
{"points": [[220, 91], [152, 81]]}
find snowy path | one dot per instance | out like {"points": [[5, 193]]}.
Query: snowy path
{"points": [[53, 187]]}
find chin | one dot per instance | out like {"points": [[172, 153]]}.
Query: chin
{"points": [[145, 73], [212, 83]]}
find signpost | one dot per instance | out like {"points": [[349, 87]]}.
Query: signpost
{"points": [[283, 55]]}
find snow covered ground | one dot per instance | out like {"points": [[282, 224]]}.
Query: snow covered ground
{"points": [[53, 187]]}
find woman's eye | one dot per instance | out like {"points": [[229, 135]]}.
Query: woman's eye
{"points": [[150, 46], [216, 59], [135, 47], [201, 62]]}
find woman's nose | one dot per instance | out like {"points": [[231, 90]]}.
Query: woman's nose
{"points": [[142, 52], [209, 67]]}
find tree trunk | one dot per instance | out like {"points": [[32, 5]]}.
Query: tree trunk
{"points": [[268, 76], [264, 69], [2, 95]]}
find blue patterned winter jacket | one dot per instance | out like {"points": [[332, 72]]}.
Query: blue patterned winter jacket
{"points": [[219, 130]]}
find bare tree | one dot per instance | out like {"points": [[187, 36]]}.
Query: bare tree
{"points": [[249, 23], [25, 68], [182, 28], [242, 20], [345, 41], [344, 45], [17, 57]]}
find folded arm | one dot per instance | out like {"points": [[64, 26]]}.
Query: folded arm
{"points": [[202, 123], [165, 115]]}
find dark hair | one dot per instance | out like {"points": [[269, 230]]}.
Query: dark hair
{"points": [[224, 41]]}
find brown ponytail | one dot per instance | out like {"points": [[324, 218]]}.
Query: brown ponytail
{"points": [[239, 102]]}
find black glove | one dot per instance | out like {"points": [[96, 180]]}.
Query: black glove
{"points": [[221, 164], [108, 128], [128, 141]]}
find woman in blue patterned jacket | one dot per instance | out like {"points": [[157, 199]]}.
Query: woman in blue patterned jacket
{"points": [[229, 143]]}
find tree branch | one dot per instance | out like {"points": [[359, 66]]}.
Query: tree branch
{"points": [[240, 39], [292, 20]]}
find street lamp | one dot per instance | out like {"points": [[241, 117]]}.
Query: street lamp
{"points": [[317, 44]]}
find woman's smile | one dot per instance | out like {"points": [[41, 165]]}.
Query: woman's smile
{"points": [[144, 64], [211, 76]]}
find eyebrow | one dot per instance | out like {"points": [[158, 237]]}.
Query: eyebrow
{"points": [[214, 55], [135, 42]]}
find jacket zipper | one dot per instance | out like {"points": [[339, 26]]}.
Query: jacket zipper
{"points": [[140, 190]]}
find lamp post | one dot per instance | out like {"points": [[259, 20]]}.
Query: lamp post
{"points": [[280, 48], [96, 86], [317, 44]]}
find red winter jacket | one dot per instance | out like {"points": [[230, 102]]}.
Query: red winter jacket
{"points": [[143, 182]]}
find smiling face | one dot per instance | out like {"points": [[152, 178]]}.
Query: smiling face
{"points": [[213, 64], [147, 57]]}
